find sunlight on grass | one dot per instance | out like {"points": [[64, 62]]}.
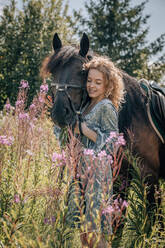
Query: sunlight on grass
{"points": [[34, 187]]}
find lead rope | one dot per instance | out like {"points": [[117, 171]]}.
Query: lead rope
{"points": [[78, 113]]}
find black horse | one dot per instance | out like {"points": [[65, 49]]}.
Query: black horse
{"points": [[69, 95]]}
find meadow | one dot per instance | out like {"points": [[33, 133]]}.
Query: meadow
{"points": [[35, 176]]}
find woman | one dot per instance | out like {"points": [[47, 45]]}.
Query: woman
{"points": [[100, 117]]}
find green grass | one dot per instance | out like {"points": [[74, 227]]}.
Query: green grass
{"points": [[33, 197]]}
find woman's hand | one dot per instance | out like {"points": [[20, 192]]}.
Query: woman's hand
{"points": [[90, 134]]}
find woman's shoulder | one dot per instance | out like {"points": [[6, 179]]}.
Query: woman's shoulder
{"points": [[106, 104]]}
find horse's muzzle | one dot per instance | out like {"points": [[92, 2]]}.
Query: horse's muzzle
{"points": [[63, 117]]}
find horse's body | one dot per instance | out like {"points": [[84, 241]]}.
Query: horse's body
{"points": [[66, 67]]}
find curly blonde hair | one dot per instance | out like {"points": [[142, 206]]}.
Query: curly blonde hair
{"points": [[113, 78]]}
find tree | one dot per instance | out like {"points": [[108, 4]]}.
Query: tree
{"points": [[25, 39], [119, 31]]}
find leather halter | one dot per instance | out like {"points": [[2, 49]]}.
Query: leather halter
{"points": [[63, 88]]}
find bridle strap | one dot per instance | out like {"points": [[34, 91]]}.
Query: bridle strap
{"points": [[63, 88]]}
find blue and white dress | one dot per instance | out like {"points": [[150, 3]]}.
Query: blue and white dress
{"points": [[103, 119]]}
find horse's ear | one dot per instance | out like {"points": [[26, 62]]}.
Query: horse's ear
{"points": [[84, 45], [57, 44]]}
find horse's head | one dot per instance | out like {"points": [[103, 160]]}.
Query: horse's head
{"points": [[68, 80]]}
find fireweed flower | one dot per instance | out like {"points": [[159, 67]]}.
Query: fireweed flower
{"points": [[117, 139], [19, 103], [16, 198], [41, 99], [113, 135], [44, 88], [116, 208], [88, 152], [60, 158], [108, 210], [120, 140], [23, 116], [4, 140], [124, 204], [24, 84], [8, 107], [32, 106], [102, 155], [110, 159]]}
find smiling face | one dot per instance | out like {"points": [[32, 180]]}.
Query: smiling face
{"points": [[96, 85]]}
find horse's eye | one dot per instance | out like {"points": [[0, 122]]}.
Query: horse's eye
{"points": [[83, 72], [73, 92]]}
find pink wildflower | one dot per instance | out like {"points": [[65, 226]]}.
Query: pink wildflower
{"points": [[44, 88], [102, 155], [8, 107], [60, 158], [24, 84], [117, 206], [41, 99], [16, 198], [4, 140], [112, 136], [19, 103], [108, 210], [32, 106], [125, 204], [23, 116], [88, 152], [110, 159], [121, 140]]}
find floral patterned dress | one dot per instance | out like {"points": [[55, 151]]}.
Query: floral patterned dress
{"points": [[102, 119]]}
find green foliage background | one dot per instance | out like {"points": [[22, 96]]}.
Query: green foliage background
{"points": [[33, 195], [25, 39], [114, 27], [119, 30]]}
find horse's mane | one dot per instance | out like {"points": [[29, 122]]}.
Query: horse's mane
{"points": [[60, 57], [135, 102], [134, 97]]}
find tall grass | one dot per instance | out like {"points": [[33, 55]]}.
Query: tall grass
{"points": [[35, 177]]}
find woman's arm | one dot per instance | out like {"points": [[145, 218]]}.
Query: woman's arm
{"points": [[89, 133]]}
